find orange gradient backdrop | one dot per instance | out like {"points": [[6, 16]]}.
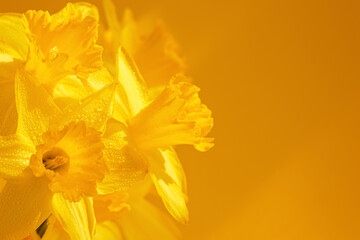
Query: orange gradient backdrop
{"points": [[282, 78]]}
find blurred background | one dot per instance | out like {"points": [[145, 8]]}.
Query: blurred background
{"points": [[282, 79]]}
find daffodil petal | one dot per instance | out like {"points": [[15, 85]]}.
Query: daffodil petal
{"points": [[131, 83], [98, 80], [111, 17], [68, 90], [8, 122], [108, 230], [55, 231], [8, 114], [125, 165], [86, 9], [23, 207], [145, 221], [13, 40], [94, 110], [167, 175], [4, 57], [130, 34], [35, 107], [173, 197], [77, 218], [15, 153], [174, 168]]}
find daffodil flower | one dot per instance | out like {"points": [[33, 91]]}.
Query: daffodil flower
{"points": [[57, 160], [59, 50], [65, 43], [155, 51], [175, 117]]}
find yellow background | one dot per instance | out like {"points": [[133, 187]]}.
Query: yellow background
{"points": [[282, 78]]}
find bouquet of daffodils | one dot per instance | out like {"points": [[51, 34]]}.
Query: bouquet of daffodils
{"points": [[89, 115]]}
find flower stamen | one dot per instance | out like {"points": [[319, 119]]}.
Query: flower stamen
{"points": [[55, 158]]}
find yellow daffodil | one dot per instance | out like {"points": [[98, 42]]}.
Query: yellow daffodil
{"points": [[59, 50], [175, 117], [56, 160], [56, 41], [155, 51]]}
